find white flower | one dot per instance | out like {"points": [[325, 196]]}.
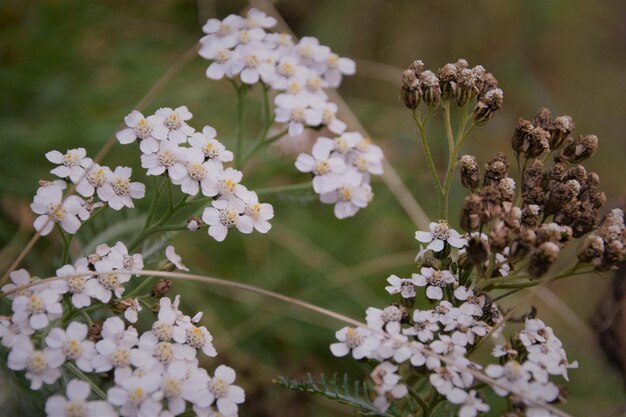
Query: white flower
{"points": [[256, 18], [228, 184], [170, 158], [163, 353], [74, 285], [211, 147], [225, 61], [71, 165], [347, 141], [198, 337], [118, 191], [175, 120], [224, 31], [148, 130], [337, 66], [52, 208], [439, 234], [310, 51], [434, 281], [329, 118], [325, 166], [350, 196], [37, 309], [41, 366], [133, 393], [102, 286], [121, 259], [404, 286], [94, 179], [259, 213], [471, 404], [224, 215], [72, 345], [368, 159], [288, 70], [257, 63], [387, 385], [199, 175], [387, 319], [76, 404], [183, 381], [117, 347], [298, 110], [221, 390], [424, 324], [133, 307], [19, 278], [174, 258], [167, 326], [358, 340]]}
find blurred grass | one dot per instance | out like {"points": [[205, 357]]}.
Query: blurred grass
{"points": [[70, 71]]}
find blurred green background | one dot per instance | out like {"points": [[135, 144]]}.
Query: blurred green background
{"points": [[71, 70]]}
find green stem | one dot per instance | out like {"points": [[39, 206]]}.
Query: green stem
{"points": [[417, 398], [261, 144], [86, 317], [93, 215], [285, 188], [78, 373], [143, 284], [429, 158], [67, 242], [153, 205], [503, 283], [241, 95]]}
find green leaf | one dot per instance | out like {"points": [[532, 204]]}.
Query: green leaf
{"points": [[338, 389]]}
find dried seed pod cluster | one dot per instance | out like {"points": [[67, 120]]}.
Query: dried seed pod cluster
{"points": [[456, 82]]}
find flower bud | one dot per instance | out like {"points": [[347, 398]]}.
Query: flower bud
{"points": [[560, 129], [94, 332], [580, 149], [194, 223], [161, 288], [470, 172]]}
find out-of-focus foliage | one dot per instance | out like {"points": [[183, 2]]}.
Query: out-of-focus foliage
{"points": [[71, 70]]}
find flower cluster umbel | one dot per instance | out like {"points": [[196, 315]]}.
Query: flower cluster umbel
{"points": [[298, 73], [195, 162], [152, 373]]}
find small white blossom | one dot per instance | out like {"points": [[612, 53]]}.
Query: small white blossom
{"points": [[298, 111], [95, 178], [40, 366], [175, 120], [403, 286], [325, 166], [148, 130], [173, 257], [438, 235], [72, 345], [71, 164], [118, 191], [434, 281], [37, 309], [53, 208], [259, 213], [76, 404], [224, 215], [360, 341], [210, 147]]}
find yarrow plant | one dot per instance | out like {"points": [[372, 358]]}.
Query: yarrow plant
{"points": [[513, 231], [103, 338]]}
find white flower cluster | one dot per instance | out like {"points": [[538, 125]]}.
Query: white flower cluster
{"points": [[197, 168], [111, 187], [402, 340], [299, 71], [341, 169], [155, 373]]}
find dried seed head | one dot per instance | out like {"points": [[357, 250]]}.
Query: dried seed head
{"points": [[491, 201], [542, 259], [447, 80], [530, 141], [614, 253], [612, 226], [409, 89], [507, 188], [478, 250], [470, 172], [522, 244], [467, 86], [591, 250], [580, 149], [489, 83], [417, 67], [513, 218], [472, 215], [429, 84], [542, 119], [560, 129], [499, 237], [496, 170], [530, 215], [523, 130], [487, 105]]}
